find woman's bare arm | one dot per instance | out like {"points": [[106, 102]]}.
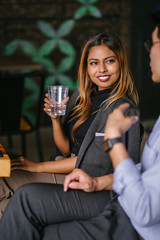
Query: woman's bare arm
{"points": [[60, 138], [60, 166]]}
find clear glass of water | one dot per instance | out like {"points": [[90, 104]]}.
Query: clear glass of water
{"points": [[57, 96]]}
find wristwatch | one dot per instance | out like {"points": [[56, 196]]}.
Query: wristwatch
{"points": [[108, 143]]}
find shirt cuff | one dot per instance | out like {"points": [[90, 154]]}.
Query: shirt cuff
{"points": [[124, 175]]}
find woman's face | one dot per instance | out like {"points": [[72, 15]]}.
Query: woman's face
{"points": [[103, 67]]}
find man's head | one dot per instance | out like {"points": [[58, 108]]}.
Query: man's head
{"points": [[156, 19], [155, 49]]}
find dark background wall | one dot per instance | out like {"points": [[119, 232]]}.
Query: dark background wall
{"points": [[142, 27], [129, 19]]}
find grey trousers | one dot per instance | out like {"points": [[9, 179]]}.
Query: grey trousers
{"points": [[41, 211], [8, 185]]}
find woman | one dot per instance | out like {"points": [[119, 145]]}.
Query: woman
{"points": [[105, 83]]}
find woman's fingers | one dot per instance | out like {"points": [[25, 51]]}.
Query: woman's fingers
{"points": [[65, 101]]}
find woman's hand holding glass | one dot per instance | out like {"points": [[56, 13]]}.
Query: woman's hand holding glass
{"points": [[48, 104], [58, 98]]}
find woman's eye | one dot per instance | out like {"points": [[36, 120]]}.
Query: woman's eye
{"points": [[110, 61], [93, 63]]}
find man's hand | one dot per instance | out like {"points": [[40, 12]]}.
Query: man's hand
{"points": [[118, 122], [78, 179]]}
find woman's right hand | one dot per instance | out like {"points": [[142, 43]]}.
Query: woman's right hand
{"points": [[23, 164], [47, 109], [47, 106]]}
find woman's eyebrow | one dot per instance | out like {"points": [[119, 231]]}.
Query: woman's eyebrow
{"points": [[95, 59]]}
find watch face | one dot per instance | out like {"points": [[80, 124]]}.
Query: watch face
{"points": [[106, 146]]}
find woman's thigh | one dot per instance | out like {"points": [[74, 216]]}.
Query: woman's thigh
{"points": [[8, 185], [19, 177]]}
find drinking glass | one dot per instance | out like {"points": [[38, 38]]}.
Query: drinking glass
{"points": [[57, 96]]}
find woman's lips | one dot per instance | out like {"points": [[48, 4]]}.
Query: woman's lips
{"points": [[104, 78]]}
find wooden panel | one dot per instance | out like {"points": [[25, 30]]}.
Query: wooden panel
{"points": [[5, 163]]}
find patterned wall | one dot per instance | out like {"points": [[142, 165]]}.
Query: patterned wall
{"points": [[127, 18]]}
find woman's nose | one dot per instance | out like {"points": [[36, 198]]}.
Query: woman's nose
{"points": [[102, 67]]}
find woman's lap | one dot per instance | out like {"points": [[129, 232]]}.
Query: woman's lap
{"points": [[20, 177], [8, 185]]}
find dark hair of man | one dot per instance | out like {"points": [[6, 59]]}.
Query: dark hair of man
{"points": [[156, 18]]}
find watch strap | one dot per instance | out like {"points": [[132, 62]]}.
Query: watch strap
{"points": [[108, 143]]}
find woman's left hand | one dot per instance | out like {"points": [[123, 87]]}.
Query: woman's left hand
{"points": [[24, 164]]}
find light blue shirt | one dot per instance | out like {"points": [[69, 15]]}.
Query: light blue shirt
{"points": [[139, 189]]}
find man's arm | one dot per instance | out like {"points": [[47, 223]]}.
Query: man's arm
{"points": [[139, 193], [117, 124]]}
